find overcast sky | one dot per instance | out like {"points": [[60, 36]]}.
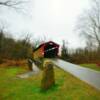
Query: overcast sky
{"points": [[54, 19]]}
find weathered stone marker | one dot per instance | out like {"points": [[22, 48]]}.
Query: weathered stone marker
{"points": [[48, 75]]}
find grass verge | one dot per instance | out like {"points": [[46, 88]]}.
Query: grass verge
{"points": [[67, 87], [91, 66]]}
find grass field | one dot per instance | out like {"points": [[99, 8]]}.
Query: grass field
{"points": [[67, 87], [91, 66]]}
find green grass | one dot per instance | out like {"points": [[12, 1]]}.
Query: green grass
{"points": [[67, 87], [91, 66]]}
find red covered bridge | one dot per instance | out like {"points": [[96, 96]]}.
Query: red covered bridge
{"points": [[47, 50]]}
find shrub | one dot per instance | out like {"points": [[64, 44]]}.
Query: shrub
{"points": [[98, 64]]}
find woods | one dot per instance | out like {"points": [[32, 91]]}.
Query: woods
{"points": [[22, 49], [88, 27], [12, 49]]}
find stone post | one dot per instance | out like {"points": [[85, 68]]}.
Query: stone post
{"points": [[48, 75]]}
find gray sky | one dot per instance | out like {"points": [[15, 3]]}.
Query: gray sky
{"points": [[54, 19]]}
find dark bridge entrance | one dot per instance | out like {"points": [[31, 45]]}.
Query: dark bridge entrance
{"points": [[51, 50]]}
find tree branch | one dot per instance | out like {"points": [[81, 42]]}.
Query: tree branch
{"points": [[12, 3]]}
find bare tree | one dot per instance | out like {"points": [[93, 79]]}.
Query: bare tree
{"points": [[11, 3], [64, 50], [18, 5], [89, 23]]}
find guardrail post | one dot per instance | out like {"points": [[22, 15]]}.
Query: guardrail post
{"points": [[30, 64], [48, 75]]}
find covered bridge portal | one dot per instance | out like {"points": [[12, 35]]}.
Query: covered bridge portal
{"points": [[46, 50]]}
